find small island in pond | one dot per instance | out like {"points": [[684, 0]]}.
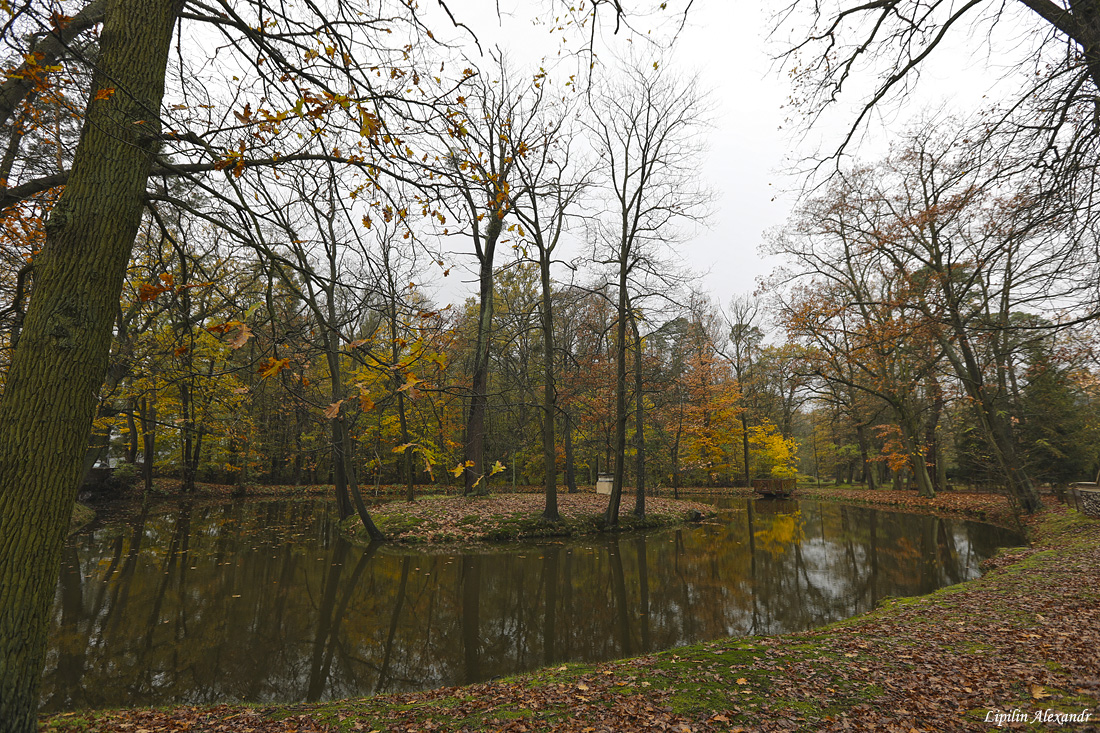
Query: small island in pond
{"points": [[456, 519]]}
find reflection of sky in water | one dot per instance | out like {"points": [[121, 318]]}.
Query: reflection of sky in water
{"points": [[263, 601]]}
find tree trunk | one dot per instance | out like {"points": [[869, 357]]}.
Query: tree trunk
{"points": [[549, 395], [639, 421], [148, 440], [187, 473], [994, 426], [864, 456], [58, 367], [353, 484], [570, 469], [676, 446], [131, 429], [910, 439], [932, 435], [339, 469], [474, 475], [611, 518], [745, 445]]}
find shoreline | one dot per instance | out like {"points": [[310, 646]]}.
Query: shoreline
{"points": [[957, 502], [1020, 638], [446, 521]]}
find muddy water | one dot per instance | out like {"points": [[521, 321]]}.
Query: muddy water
{"points": [[264, 601]]}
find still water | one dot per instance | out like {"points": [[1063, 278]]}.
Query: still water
{"points": [[264, 601]]}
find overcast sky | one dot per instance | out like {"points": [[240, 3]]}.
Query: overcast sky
{"points": [[751, 145]]}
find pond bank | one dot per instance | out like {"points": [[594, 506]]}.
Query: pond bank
{"points": [[985, 507], [499, 518], [1022, 638]]}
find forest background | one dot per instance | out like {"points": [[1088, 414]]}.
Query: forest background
{"points": [[245, 332]]}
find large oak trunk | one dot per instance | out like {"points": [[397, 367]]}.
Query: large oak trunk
{"points": [[58, 367]]}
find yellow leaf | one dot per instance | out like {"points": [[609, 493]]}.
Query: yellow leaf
{"points": [[368, 123], [497, 468], [457, 470], [366, 404], [410, 382], [405, 447], [742, 681]]}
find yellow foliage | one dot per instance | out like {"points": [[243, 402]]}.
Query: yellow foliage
{"points": [[772, 452]]}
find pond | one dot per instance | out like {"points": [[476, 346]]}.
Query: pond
{"points": [[264, 601]]}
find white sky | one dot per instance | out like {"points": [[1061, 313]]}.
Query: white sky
{"points": [[751, 145]]}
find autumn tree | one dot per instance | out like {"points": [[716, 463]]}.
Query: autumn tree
{"points": [[58, 365]]}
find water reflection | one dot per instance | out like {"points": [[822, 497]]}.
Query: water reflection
{"points": [[265, 602]]}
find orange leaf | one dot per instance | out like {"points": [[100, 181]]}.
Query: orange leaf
{"points": [[147, 292], [272, 366], [105, 93], [243, 333], [333, 410], [222, 328]]}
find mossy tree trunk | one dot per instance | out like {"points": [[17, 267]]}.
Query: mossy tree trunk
{"points": [[549, 392], [639, 420], [59, 364]]}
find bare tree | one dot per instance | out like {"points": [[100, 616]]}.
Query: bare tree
{"points": [[830, 45], [550, 181], [742, 319], [645, 127]]}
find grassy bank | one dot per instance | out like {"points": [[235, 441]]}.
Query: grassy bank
{"points": [[1022, 638], [500, 518]]}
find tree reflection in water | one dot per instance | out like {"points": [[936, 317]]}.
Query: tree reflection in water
{"points": [[264, 601]]}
